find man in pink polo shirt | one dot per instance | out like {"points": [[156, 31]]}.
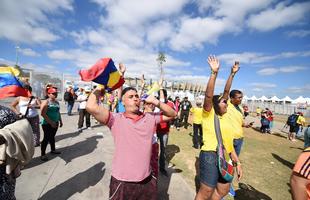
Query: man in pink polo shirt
{"points": [[132, 132]]}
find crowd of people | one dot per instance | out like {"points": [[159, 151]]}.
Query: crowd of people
{"points": [[140, 128]]}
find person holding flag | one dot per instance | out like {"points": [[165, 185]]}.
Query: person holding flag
{"points": [[131, 174]]}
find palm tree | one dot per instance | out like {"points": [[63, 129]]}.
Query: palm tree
{"points": [[161, 59]]}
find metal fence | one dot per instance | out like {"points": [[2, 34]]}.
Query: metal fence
{"points": [[283, 109]]}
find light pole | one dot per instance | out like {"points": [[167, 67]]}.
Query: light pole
{"points": [[17, 49]]}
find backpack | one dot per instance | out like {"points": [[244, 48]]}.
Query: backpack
{"points": [[292, 120], [67, 96]]}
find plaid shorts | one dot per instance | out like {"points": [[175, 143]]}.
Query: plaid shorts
{"points": [[143, 190]]}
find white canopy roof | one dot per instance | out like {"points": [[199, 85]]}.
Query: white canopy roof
{"points": [[246, 97], [253, 98], [300, 99], [189, 95], [287, 98], [274, 99], [263, 98]]}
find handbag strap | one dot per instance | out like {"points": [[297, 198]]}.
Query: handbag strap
{"points": [[218, 130], [27, 110]]}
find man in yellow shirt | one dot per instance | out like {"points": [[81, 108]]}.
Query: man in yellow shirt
{"points": [[197, 128], [235, 116]]}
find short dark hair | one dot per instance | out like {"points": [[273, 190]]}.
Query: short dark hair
{"points": [[28, 87], [233, 93], [164, 91], [216, 101], [127, 89]]}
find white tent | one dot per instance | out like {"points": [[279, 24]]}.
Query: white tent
{"points": [[189, 95], [287, 99], [263, 98], [245, 99], [275, 99], [181, 94], [253, 98], [300, 100]]}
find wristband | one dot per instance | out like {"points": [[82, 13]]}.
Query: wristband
{"points": [[233, 74], [237, 163], [213, 72]]}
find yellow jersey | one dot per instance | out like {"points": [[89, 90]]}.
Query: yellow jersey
{"points": [[235, 118], [209, 135], [301, 120], [197, 115]]}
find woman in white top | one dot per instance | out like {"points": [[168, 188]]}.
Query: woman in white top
{"points": [[32, 103]]}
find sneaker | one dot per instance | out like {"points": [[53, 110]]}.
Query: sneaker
{"points": [[80, 130], [44, 158], [178, 128], [55, 152]]}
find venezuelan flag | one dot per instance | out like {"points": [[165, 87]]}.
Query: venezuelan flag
{"points": [[105, 73], [10, 86]]}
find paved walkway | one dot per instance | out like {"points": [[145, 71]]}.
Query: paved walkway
{"points": [[83, 169]]}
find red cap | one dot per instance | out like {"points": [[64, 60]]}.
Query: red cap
{"points": [[51, 90]]}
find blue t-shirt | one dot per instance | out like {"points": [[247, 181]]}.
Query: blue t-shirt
{"points": [[120, 107]]}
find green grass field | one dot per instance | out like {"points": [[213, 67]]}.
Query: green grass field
{"points": [[267, 161]]}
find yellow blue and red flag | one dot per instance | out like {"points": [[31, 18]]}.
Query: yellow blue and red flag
{"points": [[10, 86], [105, 73]]}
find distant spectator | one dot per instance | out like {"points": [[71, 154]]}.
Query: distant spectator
{"points": [[82, 99], [245, 110], [258, 111], [264, 123], [177, 109], [307, 137], [197, 127], [270, 118], [185, 106], [294, 122], [69, 98], [301, 122]]}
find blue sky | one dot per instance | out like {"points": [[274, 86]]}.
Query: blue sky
{"points": [[271, 39]]}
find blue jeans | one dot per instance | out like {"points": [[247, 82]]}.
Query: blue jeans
{"points": [[69, 107], [163, 141], [209, 173], [237, 145]]}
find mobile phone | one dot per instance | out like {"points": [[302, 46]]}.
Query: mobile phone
{"points": [[236, 62]]}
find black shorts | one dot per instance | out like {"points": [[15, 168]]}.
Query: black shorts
{"points": [[294, 129]]}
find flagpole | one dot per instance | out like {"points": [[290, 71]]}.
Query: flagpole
{"points": [[17, 48]]}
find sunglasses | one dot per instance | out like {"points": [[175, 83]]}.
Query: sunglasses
{"points": [[224, 101], [55, 94]]}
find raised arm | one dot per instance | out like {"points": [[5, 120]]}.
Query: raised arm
{"points": [[161, 92], [99, 112], [214, 65], [140, 93], [166, 109], [14, 104], [122, 70], [234, 70]]}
